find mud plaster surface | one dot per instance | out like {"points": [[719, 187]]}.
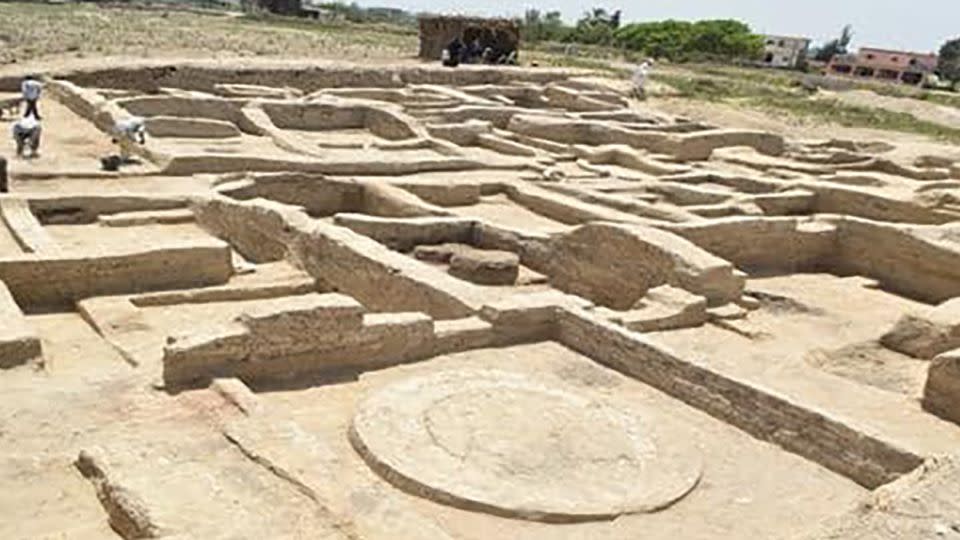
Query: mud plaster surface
{"points": [[819, 320], [100, 238], [740, 475], [168, 448], [495, 440], [501, 209]]}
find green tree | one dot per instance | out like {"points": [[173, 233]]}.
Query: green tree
{"points": [[597, 26], [836, 46], [535, 26], [683, 40], [724, 39], [949, 63], [553, 26], [662, 39]]}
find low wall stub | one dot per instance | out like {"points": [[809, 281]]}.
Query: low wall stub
{"points": [[18, 342], [60, 281], [294, 337]]}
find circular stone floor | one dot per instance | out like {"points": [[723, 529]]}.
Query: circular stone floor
{"points": [[505, 444]]}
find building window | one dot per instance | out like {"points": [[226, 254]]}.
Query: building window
{"points": [[888, 74], [842, 68], [768, 58], [913, 61], [781, 44], [870, 57], [863, 71], [895, 59], [770, 42]]}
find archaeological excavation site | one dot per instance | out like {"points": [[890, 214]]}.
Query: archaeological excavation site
{"points": [[336, 301]]}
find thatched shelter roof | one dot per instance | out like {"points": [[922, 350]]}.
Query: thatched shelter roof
{"points": [[280, 7], [436, 31]]}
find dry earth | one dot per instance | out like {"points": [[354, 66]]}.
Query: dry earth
{"points": [[931, 112], [354, 300], [34, 32]]}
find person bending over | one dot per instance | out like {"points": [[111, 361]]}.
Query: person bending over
{"points": [[26, 135], [127, 133]]}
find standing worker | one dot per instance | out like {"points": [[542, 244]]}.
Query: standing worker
{"points": [[31, 88], [26, 134], [640, 79]]}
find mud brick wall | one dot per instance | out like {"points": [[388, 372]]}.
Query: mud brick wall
{"points": [[899, 259], [811, 434], [765, 246], [338, 258], [614, 265], [18, 343], [56, 282], [317, 194], [307, 77]]}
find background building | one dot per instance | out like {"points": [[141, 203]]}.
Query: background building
{"points": [[884, 65], [785, 51]]}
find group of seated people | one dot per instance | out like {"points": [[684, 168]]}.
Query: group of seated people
{"points": [[476, 52]]}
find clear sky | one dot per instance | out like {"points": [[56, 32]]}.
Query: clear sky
{"points": [[920, 25]]}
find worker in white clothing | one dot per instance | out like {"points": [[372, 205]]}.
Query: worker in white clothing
{"points": [[128, 133], [640, 79], [26, 135], [31, 89]]}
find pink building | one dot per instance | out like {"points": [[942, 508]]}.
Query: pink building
{"points": [[884, 65]]}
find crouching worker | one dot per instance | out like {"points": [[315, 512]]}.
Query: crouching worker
{"points": [[26, 134], [128, 133]]}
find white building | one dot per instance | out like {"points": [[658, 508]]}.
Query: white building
{"points": [[784, 51]]}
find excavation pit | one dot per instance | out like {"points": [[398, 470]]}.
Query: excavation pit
{"points": [[667, 330]]}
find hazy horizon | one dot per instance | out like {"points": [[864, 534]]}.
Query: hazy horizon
{"points": [[921, 25]]}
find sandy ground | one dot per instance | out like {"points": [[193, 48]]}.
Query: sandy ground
{"points": [[168, 450], [8, 244], [159, 185], [908, 146], [86, 397], [500, 209], [923, 110], [103, 239], [784, 496], [821, 320], [41, 487]]}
